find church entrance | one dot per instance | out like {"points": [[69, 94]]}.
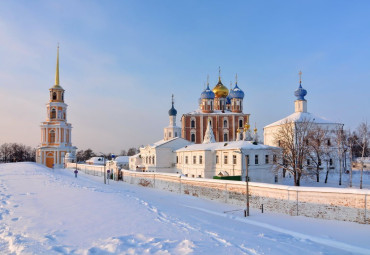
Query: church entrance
{"points": [[49, 159]]}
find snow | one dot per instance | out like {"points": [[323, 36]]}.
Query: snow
{"points": [[299, 117], [234, 145], [44, 211], [122, 159]]}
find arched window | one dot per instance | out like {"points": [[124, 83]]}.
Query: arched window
{"points": [[225, 137], [53, 114], [240, 123], [52, 136], [193, 138], [62, 96], [225, 123], [192, 123], [54, 95]]}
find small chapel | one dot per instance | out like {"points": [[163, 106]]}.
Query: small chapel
{"points": [[56, 133]]}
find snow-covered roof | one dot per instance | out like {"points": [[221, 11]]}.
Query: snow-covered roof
{"points": [[96, 160], [235, 145], [218, 112], [162, 142], [122, 159], [301, 116]]}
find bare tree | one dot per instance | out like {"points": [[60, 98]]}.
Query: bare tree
{"points": [[317, 142], [363, 133], [351, 141], [292, 139], [340, 144]]}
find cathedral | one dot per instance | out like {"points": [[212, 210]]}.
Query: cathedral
{"points": [[56, 133], [223, 108]]}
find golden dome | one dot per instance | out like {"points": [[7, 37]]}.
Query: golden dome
{"points": [[220, 90]]}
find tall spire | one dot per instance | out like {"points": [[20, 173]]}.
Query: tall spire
{"points": [[209, 137], [57, 69], [300, 78], [236, 78], [219, 74]]}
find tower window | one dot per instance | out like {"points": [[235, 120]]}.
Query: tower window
{"points": [[200, 159], [225, 137], [225, 123], [54, 96], [240, 123], [256, 159], [192, 124], [62, 96], [225, 159], [266, 159], [234, 159], [52, 136], [53, 113], [193, 138], [194, 160]]}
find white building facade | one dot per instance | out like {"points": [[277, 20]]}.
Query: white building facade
{"points": [[302, 115]]}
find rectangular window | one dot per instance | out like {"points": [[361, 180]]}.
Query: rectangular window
{"points": [[225, 159], [274, 158], [234, 159], [217, 160], [194, 160], [177, 159], [186, 159], [200, 159], [256, 159], [266, 159]]}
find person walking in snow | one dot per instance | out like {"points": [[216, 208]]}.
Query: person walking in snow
{"points": [[76, 172]]}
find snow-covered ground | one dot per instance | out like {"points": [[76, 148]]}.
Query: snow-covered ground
{"points": [[45, 211]]}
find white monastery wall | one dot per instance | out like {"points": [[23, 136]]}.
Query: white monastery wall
{"points": [[324, 203]]}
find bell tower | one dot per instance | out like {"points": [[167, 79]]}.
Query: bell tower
{"points": [[172, 130], [56, 135]]}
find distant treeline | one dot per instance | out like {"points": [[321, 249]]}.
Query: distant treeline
{"points": [[16, 152]]}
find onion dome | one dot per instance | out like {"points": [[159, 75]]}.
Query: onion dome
{"points": [[300, 93], [207, 93], [236, 92], [172, 111], [220, 90]]}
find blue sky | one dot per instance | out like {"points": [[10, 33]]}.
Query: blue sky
{"points": [[120, 61]]}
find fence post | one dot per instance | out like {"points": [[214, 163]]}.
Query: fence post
{"points": [[365, 208], [297, 202], [226, 193]]}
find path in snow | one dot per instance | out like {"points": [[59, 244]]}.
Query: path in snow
{"points": [[45, 211]]}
